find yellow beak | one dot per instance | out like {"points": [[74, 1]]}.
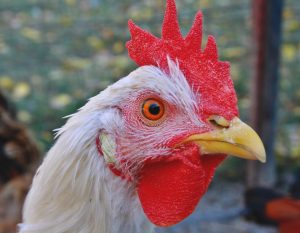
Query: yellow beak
{"points": [[237, 139]]}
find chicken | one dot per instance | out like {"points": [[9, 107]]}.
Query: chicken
{"points": [[143, 152], [267, 206], [256, 201], [19, 158]]}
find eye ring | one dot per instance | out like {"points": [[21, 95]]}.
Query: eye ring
{"points": [[153, 109]]}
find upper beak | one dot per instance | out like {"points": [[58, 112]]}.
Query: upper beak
{"points": [[237, 139]]}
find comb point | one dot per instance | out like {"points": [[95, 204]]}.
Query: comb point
{"points": [[170, 26]]}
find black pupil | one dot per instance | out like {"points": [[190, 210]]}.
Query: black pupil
{"points": [[154, 109]]}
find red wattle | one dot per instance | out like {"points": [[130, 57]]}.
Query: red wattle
{"points": [[170, 188]]}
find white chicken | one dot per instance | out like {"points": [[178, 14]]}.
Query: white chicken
{"points": [[143, 151]]}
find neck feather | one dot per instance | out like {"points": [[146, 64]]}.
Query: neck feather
{"points": [[74, 191]]}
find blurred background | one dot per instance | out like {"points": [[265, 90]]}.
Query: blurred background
{"points": [[56, 54]]}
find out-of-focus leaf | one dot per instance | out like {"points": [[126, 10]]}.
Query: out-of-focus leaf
{"points": [[31, 33], [244, 102], [6, 82], [233, 52], [235, 72], [107, 33], [144, 13], [288, 13], [118, 47], [71, 2], [204, 4], [24, 116], [293, 25], [297, 111], [21, 90], [66, 20], [47, 136], [60, 101], [75, 63], [95, 42], [289, 52], [3, 47]]}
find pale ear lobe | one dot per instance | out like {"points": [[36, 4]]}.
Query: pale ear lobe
{"points": [[107, 145]]}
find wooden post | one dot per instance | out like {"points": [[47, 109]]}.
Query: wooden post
{"points": [[267, 17]]}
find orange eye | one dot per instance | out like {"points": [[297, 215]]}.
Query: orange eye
{"points": [[153, 109]]}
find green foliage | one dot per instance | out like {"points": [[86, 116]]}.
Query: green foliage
{"points": [[56, 54]]}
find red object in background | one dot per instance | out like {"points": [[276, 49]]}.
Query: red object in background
{"points": [[286, 212]]}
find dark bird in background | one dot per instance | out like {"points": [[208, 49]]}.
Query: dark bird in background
{"points": [[19, 158], [267, 206]]}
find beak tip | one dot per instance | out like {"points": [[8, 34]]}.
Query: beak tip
{"points": [[263, 160], [261, 157]]}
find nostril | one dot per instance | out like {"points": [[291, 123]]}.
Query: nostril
{"points": [[214, 123], [218, 121]]}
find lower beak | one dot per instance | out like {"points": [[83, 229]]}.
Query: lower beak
{"points": [[238, 139]]}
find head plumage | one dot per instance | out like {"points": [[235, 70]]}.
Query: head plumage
{"points": [[202, 69]]}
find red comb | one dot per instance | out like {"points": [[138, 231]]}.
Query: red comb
{"points": [[203, 71]]}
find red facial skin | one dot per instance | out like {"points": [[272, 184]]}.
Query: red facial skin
{"points": [[170, 188]]}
